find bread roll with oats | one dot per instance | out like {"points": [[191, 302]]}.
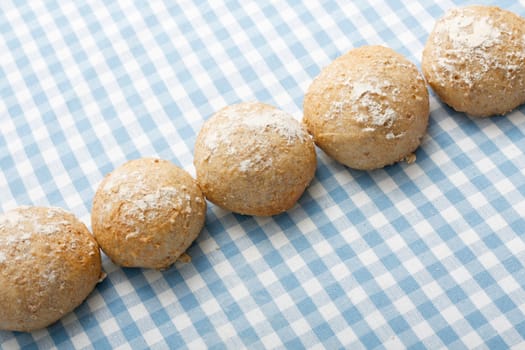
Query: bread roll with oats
{"points": [[474, 60], [254, 159], [146, 213], [368, 108], [49, 263]]}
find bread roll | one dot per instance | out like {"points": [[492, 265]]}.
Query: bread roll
{"points": [[474, 60], [368, 108], [254, 159], [49, 263], [146, 213]]}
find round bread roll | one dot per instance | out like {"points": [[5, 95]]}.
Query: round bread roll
{"points": [[254, 159], [368, 108], [146, 213], [474, 60], [49, 263]]}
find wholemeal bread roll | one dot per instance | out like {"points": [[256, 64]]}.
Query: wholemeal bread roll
{"points": [[49, 263], [474, 60], [368, 108], [146, 213], [254, 159]]}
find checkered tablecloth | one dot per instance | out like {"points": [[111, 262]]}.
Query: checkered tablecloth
{"points": [[427, 255]]}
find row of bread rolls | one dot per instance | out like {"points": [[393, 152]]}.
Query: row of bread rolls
{"points": [[367, 109]]}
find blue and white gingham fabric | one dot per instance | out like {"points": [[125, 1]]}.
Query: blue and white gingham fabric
{"points": [[428, 255]]}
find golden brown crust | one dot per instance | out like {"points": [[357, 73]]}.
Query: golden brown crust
{"points": [[474, 60], [146, 213], [49, 263], [368, 108], [254, 159]]}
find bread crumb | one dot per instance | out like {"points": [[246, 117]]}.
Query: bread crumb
{"points": [[102, 277], [184, 258], [411, 158]]}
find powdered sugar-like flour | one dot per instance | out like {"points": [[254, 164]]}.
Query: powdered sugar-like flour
{"points": [[244, 118], [19, 228], [366, 102], [140, 201], [463, 38], [256, 121], [23, 225], [470, 31]]}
